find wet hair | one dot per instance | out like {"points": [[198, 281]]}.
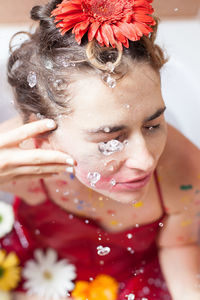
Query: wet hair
{"points": [[42, 68]]}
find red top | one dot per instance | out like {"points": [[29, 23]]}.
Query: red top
{"points": [[132, 260]]}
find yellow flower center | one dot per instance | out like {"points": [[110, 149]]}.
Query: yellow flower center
{"points": [[47, 275]]}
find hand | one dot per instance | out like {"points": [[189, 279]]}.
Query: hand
{"points": [[16, 163]]}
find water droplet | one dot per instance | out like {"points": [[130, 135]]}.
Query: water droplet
{"points": [[109, 80], [93, 178], [37, 231], [48, 64], [91, 279], [137, 225], [102, 251], [101, 262], [32, 79], [130, 297], [110, 147], [113, 182], [40, 116], [130, 250], [66, 193], [71, 216], [127, 106], [129, 236], [125, 142], [87, 221], [110, 66], [76, 200], [146, 290], [57, 190], [176, 9], [161, 224], [106, 129]]}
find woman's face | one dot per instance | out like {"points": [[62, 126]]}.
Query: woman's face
{"points": [[131, 114]]}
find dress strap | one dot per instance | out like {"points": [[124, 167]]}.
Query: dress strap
{"points": [[159, 190]]}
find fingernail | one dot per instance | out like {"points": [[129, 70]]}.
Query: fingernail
{"points": [[70, 161], [70, 169], [50, 124]]}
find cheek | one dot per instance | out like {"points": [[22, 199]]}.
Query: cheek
{"points": [[100, 175]]}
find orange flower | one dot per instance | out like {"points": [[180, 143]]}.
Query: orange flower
{"points": [[103, 287], [107, 21]]}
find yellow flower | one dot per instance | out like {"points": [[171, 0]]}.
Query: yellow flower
{"points": [[9, 271], [103, 287]]}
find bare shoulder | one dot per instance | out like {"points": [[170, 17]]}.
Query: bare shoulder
{"points": [[179, 171], [179, 165]]}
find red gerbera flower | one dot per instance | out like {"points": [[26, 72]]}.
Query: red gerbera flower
{"points": [[107, 21]]}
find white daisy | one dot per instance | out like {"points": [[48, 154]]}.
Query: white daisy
{"points": [[5, 295], [6, 218], [47, 277]]}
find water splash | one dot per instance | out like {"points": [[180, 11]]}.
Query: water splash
{"points": [[93, 178], [110, 147]]}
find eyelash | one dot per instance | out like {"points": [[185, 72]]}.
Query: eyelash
{"points": [[148, 128], [124, 136], [155, 127]]}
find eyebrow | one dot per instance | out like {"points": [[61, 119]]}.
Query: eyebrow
{"points": [[115, 128]]}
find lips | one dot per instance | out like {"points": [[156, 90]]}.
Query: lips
{"points": [[133, 185], [135, 179]]}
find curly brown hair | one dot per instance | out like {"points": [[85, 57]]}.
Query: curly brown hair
{"points": [[53, 59]]}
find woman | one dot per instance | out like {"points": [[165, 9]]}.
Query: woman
{"points": [[107, 199]]}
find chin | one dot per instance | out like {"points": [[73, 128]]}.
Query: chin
{"points": [[125, 197]]}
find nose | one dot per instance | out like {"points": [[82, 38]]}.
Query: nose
{"points": [[139, 156]]}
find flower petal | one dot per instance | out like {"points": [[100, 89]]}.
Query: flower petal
{"points": [[144, 28], [11, 260], [80, 29], [143, 18], [108, 36], [128, 31], [93, 30], [2, 256], [118, 34], [99, 38]]}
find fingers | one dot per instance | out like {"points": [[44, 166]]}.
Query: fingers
{"points": [[26, 131], [17, 157], [37, 171]]}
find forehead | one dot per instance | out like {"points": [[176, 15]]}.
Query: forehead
{"points": [[139, 89]]}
